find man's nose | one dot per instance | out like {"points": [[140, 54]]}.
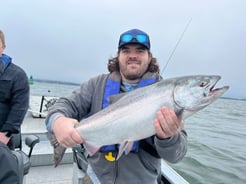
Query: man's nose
{"points": [[132, 55]]}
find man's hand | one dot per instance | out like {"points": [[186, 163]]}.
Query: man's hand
{"points": [[65, 132], [3, 138], [167, 124]]}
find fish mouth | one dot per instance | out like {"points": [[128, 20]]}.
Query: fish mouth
{"points": [[212, 91]]}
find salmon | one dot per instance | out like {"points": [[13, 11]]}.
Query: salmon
{"points": [[130, 116]]}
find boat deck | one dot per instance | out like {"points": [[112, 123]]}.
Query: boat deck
{"points": [[63, 174]]}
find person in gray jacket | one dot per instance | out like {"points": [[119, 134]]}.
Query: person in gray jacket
{"points": [[133, 67]]}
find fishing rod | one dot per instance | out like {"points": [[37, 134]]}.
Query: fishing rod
{"points": [[180, 38]]}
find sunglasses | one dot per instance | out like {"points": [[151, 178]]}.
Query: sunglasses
{"points": [[141, 38]]}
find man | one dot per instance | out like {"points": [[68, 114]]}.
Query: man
{"points": [[133, 67], [14, 102]]}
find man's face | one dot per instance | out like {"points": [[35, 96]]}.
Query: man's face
{"points": [[134, 60], [2, 47]]}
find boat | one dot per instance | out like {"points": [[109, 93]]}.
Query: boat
{"points": [[42, 156]]}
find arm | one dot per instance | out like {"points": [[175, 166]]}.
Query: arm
{"points": [[67, 112], [62, 119]]}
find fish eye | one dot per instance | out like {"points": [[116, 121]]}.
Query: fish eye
{"points": [[203, 84]]}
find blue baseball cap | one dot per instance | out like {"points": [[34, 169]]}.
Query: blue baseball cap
{"points": [[134, 36]]}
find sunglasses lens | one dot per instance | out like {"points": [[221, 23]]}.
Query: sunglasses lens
{"points": [[141, 38], [126, 37]]}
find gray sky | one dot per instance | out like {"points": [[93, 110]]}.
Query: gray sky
{"points": [[72, 40]]}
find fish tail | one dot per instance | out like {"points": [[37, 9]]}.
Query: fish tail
{"points": [[59, 150], [58, 154]]}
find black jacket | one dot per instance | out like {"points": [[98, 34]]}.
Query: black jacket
{"points": [[14, 96], [8, 167]]}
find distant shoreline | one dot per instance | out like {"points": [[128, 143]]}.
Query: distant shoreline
{"points": [[233, 98], [56, 82]]}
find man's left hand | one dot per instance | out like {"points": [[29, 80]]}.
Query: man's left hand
{"points": [[167, 124]]}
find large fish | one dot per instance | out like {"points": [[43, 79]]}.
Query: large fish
{"points": [[131, 117]]}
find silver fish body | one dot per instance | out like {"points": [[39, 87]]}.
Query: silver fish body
{"points": [[131, 117]]}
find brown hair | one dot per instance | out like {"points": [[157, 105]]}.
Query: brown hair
{"points": [[113, 64], [2, 37]]}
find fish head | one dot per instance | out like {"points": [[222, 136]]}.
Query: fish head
{"points": [[193, 93]]}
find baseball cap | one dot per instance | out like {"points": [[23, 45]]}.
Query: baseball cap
{"points": [[134, 36]]}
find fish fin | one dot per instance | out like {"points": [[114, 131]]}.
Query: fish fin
{"points": [[59, 152], [58, 149], [180, 114], [92, 149], [125, 147]]}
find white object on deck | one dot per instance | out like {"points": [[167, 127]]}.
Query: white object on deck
{"points": [[39, 105]]}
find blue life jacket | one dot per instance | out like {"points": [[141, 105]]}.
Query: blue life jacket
{"points": [[112, 87]]}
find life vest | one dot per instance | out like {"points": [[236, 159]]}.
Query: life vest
{"points": [[112, 87]]}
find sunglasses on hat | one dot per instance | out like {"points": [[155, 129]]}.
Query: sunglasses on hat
{"points": [[142, 39]]}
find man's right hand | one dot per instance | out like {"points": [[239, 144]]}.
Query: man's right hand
{"points": [[65, 133]]}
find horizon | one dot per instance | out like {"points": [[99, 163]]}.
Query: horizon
{"points": [[78, 84]]}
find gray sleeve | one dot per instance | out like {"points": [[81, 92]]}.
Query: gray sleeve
{"points": [[76, 105], [172, 149], [81, 102]]}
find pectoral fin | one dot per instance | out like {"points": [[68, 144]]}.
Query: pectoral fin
{"points": [[124, 147], [92, 149]]}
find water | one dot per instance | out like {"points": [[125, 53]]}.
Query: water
{"points": [[216, 135], [51, 89], [217, 144]]}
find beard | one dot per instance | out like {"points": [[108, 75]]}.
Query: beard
{"points": [[132, 74]]}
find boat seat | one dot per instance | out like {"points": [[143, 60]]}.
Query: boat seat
{"points": [[22, 158]]}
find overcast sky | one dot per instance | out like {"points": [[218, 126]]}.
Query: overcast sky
{"points": [[72, 40]]}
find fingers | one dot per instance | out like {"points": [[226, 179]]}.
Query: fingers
{"points": [[159, 131], [65, 132], [166, 123], [71, 139]]}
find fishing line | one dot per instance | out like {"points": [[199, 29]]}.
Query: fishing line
{"points": [[180, 38]]}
